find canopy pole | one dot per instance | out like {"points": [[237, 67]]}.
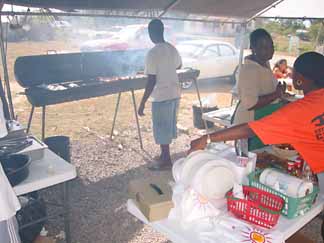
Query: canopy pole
{"points": [[318, 34], [242, 34], [5, 71], [241, 56], [266, 10]]}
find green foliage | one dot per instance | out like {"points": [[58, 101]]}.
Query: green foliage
{"points": [[305, 47], [274, 27], [283, 27], [314, 30]]}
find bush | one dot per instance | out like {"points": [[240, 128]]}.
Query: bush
{"points": [[314, 29]]}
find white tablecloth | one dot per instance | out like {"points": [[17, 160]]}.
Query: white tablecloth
{"points": [[173, 231], [9, 203], [50, 170]]}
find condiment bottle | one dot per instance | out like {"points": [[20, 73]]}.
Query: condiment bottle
{"points": [[290, 166], [308, 175], [299, 163], [242, 147]]}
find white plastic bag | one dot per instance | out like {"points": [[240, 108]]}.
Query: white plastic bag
{"points": [[190, 207]]}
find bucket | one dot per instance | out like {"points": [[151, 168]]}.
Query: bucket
{"points": [[197, 116], [60, 145]]}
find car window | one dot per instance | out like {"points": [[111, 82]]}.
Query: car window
{"points": [[211, 51], [226, 50], [189, 50]]}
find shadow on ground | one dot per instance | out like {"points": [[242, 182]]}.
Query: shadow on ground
{"points": [[99, 194]]}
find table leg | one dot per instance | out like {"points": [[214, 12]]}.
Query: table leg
{"points": [[115, 116], [43, 122], [30, 118], [137, 121], [322, 229], [66, 203]]}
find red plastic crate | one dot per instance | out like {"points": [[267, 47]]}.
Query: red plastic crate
{"points": [[259, 207]]}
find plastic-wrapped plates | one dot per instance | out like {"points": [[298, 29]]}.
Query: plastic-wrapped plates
{"points": [[176, 169], [214, 179], [193, 163]]}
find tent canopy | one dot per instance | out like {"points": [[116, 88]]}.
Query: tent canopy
{"points": [[223, 8], [308, 9]]}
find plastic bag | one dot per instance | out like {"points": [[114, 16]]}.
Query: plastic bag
{"points": [[190, 206], [33, 209]]}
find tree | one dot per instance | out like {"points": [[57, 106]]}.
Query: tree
{"points": [[317, 32]]}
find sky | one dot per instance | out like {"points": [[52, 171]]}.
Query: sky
{"points": [[298, 8]]}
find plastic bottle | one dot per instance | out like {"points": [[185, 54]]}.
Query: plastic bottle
{"points": [[242, 147]]}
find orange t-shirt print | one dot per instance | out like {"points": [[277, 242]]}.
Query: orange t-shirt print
{"points": [[300, 124]]}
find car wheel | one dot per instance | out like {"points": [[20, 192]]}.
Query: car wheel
{"points": [[234, 76], [186, 84]]}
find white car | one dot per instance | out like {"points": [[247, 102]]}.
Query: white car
{"points": [[214, 59]]}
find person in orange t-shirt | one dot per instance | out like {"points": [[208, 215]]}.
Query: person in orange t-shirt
{"points": [[300, 123]]}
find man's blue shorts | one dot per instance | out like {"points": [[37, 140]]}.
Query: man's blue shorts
{"points": [[164, 118]]}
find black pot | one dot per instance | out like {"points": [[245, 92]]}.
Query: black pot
{"points": [[16, 167]]}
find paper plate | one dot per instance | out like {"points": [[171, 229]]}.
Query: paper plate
{"points": [[214, 179], [193, 163]]}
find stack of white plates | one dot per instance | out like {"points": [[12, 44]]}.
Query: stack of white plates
{"points": [[214, 179], [184, 169]]}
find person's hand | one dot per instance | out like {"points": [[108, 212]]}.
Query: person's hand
{"points": [[141, 109], [198, 144]]}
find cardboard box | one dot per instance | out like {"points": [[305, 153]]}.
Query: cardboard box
{"points": [[44, 239], [299, 238], [152, 196]]}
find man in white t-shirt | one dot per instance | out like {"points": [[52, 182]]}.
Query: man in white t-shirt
{"points": [[163, 86]]}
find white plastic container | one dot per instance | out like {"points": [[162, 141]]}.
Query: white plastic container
{"points": [[288, 185]]}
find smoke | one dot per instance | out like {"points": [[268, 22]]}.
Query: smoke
{"points": [[124, 42]]}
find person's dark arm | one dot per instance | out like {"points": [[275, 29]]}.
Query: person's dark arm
{"points": [[148, 91], [236, 132], [267, 99]]}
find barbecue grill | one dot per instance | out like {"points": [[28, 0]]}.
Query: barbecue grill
{"points": [[58, 78]]}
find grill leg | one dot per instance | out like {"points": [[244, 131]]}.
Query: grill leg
{"points": [[137, 121], [115, 116], [30, 118], [201, 109], [43, 122]]}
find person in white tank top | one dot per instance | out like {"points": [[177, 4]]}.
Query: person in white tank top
{"points": [[163, 87]]}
